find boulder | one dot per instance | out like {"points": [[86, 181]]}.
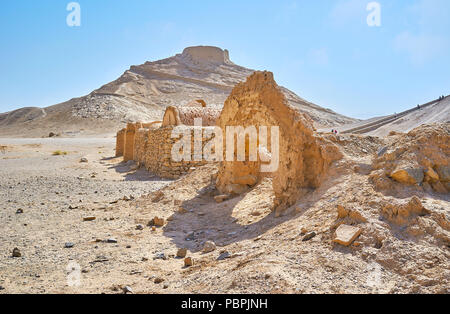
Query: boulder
{"points": [[408, 176], [208, 247], [346, 234]]}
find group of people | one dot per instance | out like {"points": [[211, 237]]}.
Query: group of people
{"points": [[442, 97], [334, 131]]}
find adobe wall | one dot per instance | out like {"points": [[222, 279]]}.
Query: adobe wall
{"points": [[186, 115], [153, 150], [303, 158], [120, 142], [130, 132]]}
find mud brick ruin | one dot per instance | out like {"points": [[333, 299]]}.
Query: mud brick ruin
{"points": [[303, 158], [150, 144]]}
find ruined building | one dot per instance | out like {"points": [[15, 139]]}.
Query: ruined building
{"points": [[303, 158], [257, 106], [151, 144]]}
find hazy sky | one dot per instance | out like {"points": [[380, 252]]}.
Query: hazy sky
{"points": [[322, 50]]}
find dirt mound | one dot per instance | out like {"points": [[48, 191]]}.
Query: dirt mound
{"points": [[303, 159], [419, 158]]}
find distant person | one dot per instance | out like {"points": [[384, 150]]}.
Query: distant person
{"points": [[418, 106], [332, 131]]}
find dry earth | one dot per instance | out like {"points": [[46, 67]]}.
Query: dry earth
{"points": [[260, 253]]}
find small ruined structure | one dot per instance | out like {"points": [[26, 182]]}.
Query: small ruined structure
{"points": [[151, 144], [258, 106], [174, 116], [303, 158]]}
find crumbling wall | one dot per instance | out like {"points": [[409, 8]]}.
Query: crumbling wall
{"points": [[130, 133], [120, 142], [303, 157], [199, 103], [152, 125], [174, 116], [140, 145], [157, 156]]}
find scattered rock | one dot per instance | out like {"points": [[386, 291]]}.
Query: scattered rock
{"points": [[139, 227], [439, 187], [408, 176], [16, 253], [19, 211], [51, 134], [160, 255], [221, 198], [223, 256], [353, 215], [89, 218], [346, 234], [159, 280], [182, 253], [382, 151], [111, 240], [309, 236], [443, 172], [127, 290], [83, 160], [236, 189], [69, 245], [209, 246], [246, 180], [188, 262], [190, 236], [431, 175], [401, 213], [157, 196], [166, 286], [157, 222]]}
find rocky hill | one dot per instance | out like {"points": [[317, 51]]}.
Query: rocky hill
{"points": [[144, 91]]}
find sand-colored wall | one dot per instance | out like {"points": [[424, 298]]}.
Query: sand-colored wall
{"points": [[130, 132], [120, 142], [153, 150], [303, 158], [174, 116]]}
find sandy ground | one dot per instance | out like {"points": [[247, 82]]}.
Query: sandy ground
{"points": [[55, 193], [256, 252]]}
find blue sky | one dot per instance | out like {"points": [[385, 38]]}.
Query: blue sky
{"points": [[322, 50]]}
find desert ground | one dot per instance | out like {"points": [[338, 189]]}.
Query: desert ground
{"points": [[45, 199], [362, 211]]}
